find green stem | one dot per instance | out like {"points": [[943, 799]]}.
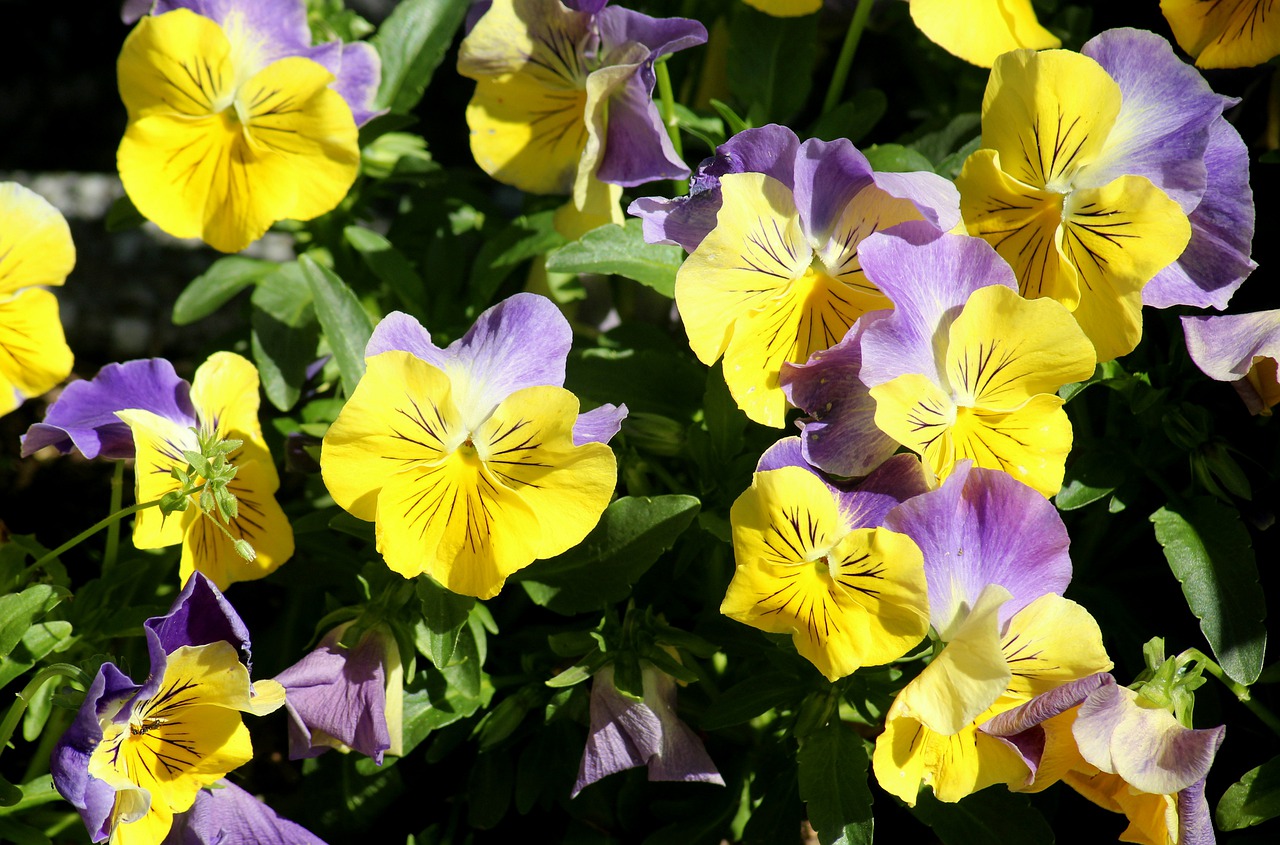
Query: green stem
{"points": [[845, 61], [113, 530], [33, 686], [1240, 691], [669, 119]]}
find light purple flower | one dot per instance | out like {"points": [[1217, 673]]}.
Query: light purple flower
{"points": [[345, 698], [227, 815], [1242, 349], [1175, 135], [278, 29], [625, 734]]}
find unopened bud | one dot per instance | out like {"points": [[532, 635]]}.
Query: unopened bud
{"points": [[245, 550]]}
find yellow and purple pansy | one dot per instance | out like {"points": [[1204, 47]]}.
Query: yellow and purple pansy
{"points": [[1225, 33]]}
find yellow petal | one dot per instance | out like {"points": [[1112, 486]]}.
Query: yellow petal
{"points": [[35, 241], [1047, 114], [1228, 33], [158, 446], [908, 755], [1031, 443], [1153, 819], [34, 355], [978, 31], [224, 392], [786, 8], [602, 207], [1050, 642]]}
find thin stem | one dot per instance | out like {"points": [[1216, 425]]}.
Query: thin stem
{"points": [[113, 530], [1239, 690], [845, 61], [669, 118], [33, 686]]}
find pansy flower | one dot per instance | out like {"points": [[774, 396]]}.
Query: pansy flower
{"points": [[964, 368], [778, 276], [143, 410], [814, 561], [1242, 349], [1091, 165], [1225, 33], [563, 100], [472, 460], [626, 734], [236, 120], [996, 563], [346, 698], [1120, 750], [35, 251], [137, 754], [978, 31], [224, 813]]}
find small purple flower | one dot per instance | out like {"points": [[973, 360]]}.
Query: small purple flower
{"points": [[1242, 349], [625, 734], [345, 698], [227, 815]]}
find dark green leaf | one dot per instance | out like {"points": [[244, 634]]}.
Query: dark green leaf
{"points": [[489, 789], [833, 785], [346, 324], [895, 158], [1211, 555], [1092, 475], [752, 697], [736, 124], [992, 815], [779, 813], [646, 380], [517, 242], [285, 334], [621, 250], [9, 795], [411, 43], [123, 215], [39, 641], [709, 130], [937, 146], [18, 611], [601, 569], [18, 833], [444, 614], [1253, 799], [389, 265], [216, 286], [38, 708], [768, 69], [853, 118]]}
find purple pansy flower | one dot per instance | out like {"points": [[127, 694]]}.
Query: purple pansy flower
{"points": [[185, 714], [1242, 349], [346, 698], [625, 734], [227, 815]]}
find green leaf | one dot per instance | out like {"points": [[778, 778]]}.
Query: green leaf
{"points": [[517, 242], [411, 43], [216, 286], [346, 324], [123, 215], [1253, 799], [833, 784], [18, 611], [39, 641], [601, 569], [895, 158], [444, 614], [854, 118], [709, 130], [621, 250], [992, 815], [18, 833], [38, 708], [285, 333], [1093, 474], [768, 69], [1211, 555], [736, 124], [752, 697], [9, 794], [389, 265], [489, 789]]}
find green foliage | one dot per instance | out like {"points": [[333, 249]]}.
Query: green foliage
{"points": [[1253, 799], [621, 250], [412, 43], [833, 784]]}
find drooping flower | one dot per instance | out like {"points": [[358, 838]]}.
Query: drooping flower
{"points": [[626, 734], [963, 367], [472, 460], [978, 31], [778, 276], [226, 814], [1090, 167], [1225, 33], [1120, 750], [35, 251], [143, 409], [996, 563], [236, 120], [346, 698], [136, 755], [1242, 349], [814, 561], [563, 100]]}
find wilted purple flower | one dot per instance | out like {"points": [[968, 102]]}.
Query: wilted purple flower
{"points": [[1242, 349], [345, 698], [227, 815], [625, 734]]}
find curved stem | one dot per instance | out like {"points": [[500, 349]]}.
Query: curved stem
{"points": [[33, 686], [845, 60], [1240, 691], [669, 118], [113, 530]]}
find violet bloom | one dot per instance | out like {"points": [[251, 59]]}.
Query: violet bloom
{"points": [[625, 734], [105, 763], [227, 815], [1242, 349], [345, 698]]}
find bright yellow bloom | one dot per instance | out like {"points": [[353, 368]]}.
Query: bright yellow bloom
{"points": [[978, 31], [224, 393], [849, 596], [785, 8], [221, 144], [35, 249], [1032, 192], [1225, 33]]}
